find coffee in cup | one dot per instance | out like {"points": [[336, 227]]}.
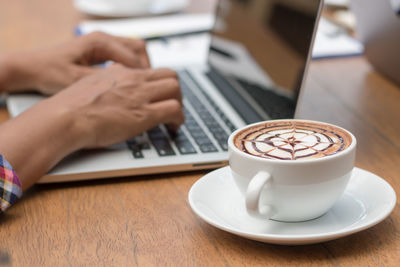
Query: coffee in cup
{"points": [[292, 140], [291, 170]]}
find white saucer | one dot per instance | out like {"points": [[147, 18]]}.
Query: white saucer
{"points": [[111, 9], [368, 200]]}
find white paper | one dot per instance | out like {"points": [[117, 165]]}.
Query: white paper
{"points": [[187, 50], [333, 41], [150, 27], [191, 50], [337, 2], [396, 5]]}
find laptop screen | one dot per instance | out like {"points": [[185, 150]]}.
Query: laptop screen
{"points": [[261, 48]]}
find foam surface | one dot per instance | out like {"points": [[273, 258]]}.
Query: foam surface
{"points": [[292, 140]]}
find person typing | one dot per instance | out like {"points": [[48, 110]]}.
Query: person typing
{"points": [[89, 107]]}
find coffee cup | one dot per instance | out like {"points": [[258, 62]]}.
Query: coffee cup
{"points": [[291, 170], [118, 7]]}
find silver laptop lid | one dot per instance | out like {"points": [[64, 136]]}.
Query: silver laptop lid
{"points": [[262, 48]]}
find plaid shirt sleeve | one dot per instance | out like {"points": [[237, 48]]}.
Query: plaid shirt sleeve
{"points": [[10, 186]]}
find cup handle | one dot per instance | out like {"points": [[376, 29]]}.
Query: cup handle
{"points": [[253, 193]]}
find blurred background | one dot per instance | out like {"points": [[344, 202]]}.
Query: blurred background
{"points": [[338, 34]]}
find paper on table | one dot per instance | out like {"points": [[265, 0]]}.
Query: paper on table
{"points": [[332, 41], [396, 5], [150, 27], [187, 50], [336, 2], [191, 50]]}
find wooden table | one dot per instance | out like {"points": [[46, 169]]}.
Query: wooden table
{"points": [[147, 221]]}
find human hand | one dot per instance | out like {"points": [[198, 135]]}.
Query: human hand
{"points": [[105, 108], [50, 70], [118, 103]]}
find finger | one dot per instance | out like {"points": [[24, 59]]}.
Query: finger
{"points": [[145, 59], [164, 89], [111, 50], [86, 71], [167, 112], [162, 73], [137, 46], [132, 43]]}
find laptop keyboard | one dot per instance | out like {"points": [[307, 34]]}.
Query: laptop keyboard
{"points": [[198, 134], [194, 128], [162, 139], [192, 138], [275, 105], [160, 142], [248, 114]]}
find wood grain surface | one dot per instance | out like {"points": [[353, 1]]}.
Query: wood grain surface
{"points": [[147, 221]]}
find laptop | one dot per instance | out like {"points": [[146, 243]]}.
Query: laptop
{"points": [[257, 58]]}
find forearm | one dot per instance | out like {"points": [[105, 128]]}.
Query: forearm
{"points": [[14, 74], [5, 73], [37, 139]]}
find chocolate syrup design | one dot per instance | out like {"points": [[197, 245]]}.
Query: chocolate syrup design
{"points": [[293, 141]]}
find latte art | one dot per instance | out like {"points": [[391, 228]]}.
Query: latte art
{"points": [[292, 140]]}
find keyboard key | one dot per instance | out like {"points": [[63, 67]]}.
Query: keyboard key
{"points": [[230, 125], [213, 125], [178, 135], [185, 147], [139, 141], [208, 148], [198, 134], [183, 143], [221, 136], [156, 133], [145, 145], [223, 144], [135, 148], [203, 141], [137, 154], [163, 147], [131, 141], [160, 142]]}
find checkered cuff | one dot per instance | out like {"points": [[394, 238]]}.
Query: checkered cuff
{"points": [[10, 186]]}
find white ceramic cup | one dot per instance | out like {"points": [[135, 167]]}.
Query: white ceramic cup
{"points": [[117, 7], [290, 190]]}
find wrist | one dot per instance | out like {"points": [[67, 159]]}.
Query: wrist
{"points": [[62, 126], [38, 139], [5, 73], [15, 74]]}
